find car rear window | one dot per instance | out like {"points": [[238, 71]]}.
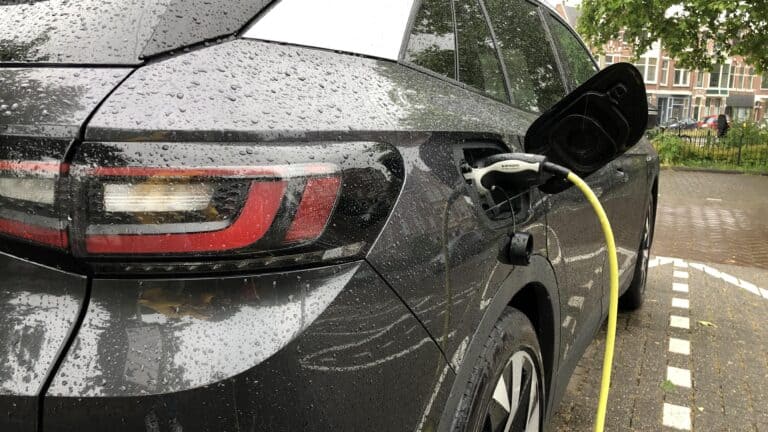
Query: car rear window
{"points": [[370, 27], [113, 32]]}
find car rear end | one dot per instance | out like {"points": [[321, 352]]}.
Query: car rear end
{"points": [[206, 274]]}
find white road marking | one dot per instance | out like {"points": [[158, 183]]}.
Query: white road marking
{"points": [[749, 286], [680, 263], [712, 272], [679, 322], [663, 260], [729, 278], [679, 287], [679, 346], [677, 417], [714, 199], [679, 377], [680, 274], [680, 303]]}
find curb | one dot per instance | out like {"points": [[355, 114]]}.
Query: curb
{"points": [[711, 170]]}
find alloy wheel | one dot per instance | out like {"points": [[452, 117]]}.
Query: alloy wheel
{"points": [[516, 402], [645, 245]]}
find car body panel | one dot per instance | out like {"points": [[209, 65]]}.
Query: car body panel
{"points": [[93, 32], [40, 307], [239, 353], [41, 113], [248, 90], [541, 273], [48, 102]]}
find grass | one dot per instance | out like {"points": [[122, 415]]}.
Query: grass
{"points": [[744, 149], [667, 386]]}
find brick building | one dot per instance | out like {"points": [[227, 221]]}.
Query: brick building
{"points": [[733, 88]]}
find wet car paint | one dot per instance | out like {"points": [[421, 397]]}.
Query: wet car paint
{"points": [[41, 113], [40, 307], [400, 376], [121, 33], [158, 354]]}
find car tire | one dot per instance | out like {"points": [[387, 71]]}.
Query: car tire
{"points": [[633, 298], [506, 389]]}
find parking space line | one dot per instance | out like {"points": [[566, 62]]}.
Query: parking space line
{"points": [[679, 377], [677, 417], [680, 287], [680, 274], [679, 346], [680, 303], [679, 322]]}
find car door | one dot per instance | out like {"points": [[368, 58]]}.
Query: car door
{"points": [[440, 250], [625, 177], [575, 240]]}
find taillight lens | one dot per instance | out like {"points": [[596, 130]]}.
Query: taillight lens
{"points": [[220, 207], [158, 210], [28, 208]]}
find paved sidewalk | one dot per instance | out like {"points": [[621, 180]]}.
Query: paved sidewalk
{"points": [[711, 217], [711, 376]]}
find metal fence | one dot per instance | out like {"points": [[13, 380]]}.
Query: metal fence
{"points": [[741, 146]]}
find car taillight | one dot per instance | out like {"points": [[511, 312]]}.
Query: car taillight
{"points": [[28, 207], [227, 207], [157, 210]]}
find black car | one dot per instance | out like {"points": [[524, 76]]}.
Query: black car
{"points": [[680, 124], [238, 215]]}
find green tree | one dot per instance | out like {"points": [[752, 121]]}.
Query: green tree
{"points": [[688, 29]]}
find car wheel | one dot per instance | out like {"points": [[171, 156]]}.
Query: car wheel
{"points": [[633, 298], [506, 391]]}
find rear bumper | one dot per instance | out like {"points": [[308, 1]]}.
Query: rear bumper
{"points": [[323, 349]]}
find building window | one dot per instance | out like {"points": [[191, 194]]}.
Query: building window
{"points": [[664, 72], [647, 67], [741, 78], [682, 77], [699, 79], [719, 77], [764, 81], [609, 60]]}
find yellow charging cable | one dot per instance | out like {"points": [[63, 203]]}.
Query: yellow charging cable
{"points": [[526, 170], [613, 303]]}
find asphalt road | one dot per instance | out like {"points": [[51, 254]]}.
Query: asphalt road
{"points": [[695, 357]]}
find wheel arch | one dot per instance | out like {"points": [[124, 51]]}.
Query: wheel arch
{"points": [[533, 291]]}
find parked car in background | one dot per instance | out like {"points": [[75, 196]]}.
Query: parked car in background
{"points": [[710, 122], [684, 124], [215, 223]]}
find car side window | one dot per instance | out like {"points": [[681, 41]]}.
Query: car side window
{"points": [[479, 65], [534, 77], [432, 43], [577, 59]]}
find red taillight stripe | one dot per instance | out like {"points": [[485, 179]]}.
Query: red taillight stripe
{"points": [[258, 212], [277, 171], [48, 167], [47, 236], [314, 210]]}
